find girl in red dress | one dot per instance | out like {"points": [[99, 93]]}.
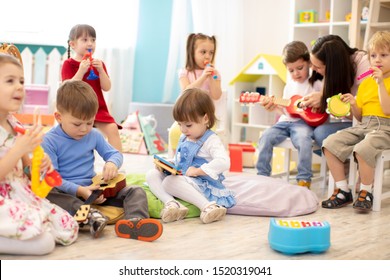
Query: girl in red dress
{"points": [[82, 40]]}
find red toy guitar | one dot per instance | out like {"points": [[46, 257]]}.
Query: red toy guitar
{"points": [[292, 106]]}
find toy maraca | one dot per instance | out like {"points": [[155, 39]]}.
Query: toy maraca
{"points": [[206, 63], [92, 75]]}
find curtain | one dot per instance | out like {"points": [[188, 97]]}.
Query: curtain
{"points": [[181, 26], [120, 67]]}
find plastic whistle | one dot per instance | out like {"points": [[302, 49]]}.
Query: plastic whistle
{"points": [[206, 63], [365, 74], [92, 75]]}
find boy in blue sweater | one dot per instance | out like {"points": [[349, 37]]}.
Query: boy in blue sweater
{"points": [[71, 146]]}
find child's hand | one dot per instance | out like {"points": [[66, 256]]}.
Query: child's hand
{"points": [[98, 64], [159, 168], [46, 164], [347, 97], [377, 74], [194, 172], [84, 66], [28, 141], [208, 70], [268, 103], [110, 170], [86, 191]]}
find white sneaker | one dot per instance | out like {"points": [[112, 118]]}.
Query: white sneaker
{"points": [[212, 212], [173, 211]]}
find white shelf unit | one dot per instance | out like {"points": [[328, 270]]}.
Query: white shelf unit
{"points": [[258, 118], [337, 23]]}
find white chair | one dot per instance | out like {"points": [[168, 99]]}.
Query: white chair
{"points": [[289, 147], [378, 179]]}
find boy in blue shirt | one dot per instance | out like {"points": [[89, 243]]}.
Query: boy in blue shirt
{"points": [[71, 146]]}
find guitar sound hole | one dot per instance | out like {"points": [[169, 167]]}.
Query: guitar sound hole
{"points": [[103, 185]]}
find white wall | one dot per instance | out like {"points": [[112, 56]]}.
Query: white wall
{"points": [[266, 26], [265, 29], [244, 28], [49, 22], [262, 27]]}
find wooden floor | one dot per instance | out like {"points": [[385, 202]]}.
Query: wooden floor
{"points": [[353, 236]]}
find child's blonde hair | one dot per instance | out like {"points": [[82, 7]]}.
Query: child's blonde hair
{"points": [[78, 99], [191, 43], [380, 41], [192, 105], [9, 59], [79, 30]]}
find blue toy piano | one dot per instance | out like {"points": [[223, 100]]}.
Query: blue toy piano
{"points": [[295, 237]]}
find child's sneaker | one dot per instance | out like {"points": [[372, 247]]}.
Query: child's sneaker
{"points": [[303, 183], [140, 229], [173, 211], [212, 213], [97, 222]]}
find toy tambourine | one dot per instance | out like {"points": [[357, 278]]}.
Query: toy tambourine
{"points": [[338, 108]]}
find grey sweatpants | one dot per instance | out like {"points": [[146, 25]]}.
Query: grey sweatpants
{"points": [[131, 198]]}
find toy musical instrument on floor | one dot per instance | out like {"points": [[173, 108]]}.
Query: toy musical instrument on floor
{"points": [[336, 107], [51, 179], [292, 106], [82, 213], [92, 75], [166, 167], [295, 237]]}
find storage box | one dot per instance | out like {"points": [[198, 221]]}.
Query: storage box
{"points": [[248, 152], [37, 96], [307, 16]]}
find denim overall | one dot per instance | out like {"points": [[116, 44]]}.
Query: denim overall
{"points": [[212, 189]]}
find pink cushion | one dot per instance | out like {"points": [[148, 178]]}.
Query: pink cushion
{"points": [[258, 195]]}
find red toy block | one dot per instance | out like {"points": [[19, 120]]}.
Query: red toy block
{"points": [[241, 155], [235, 158]]}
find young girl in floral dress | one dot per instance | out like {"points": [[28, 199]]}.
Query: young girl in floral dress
{"points": [[28, 224]]}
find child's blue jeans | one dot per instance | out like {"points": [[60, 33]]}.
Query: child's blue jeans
{"points": [[301, 135]]}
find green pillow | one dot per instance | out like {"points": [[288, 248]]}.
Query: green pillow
{"points": [[156, 205]]}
